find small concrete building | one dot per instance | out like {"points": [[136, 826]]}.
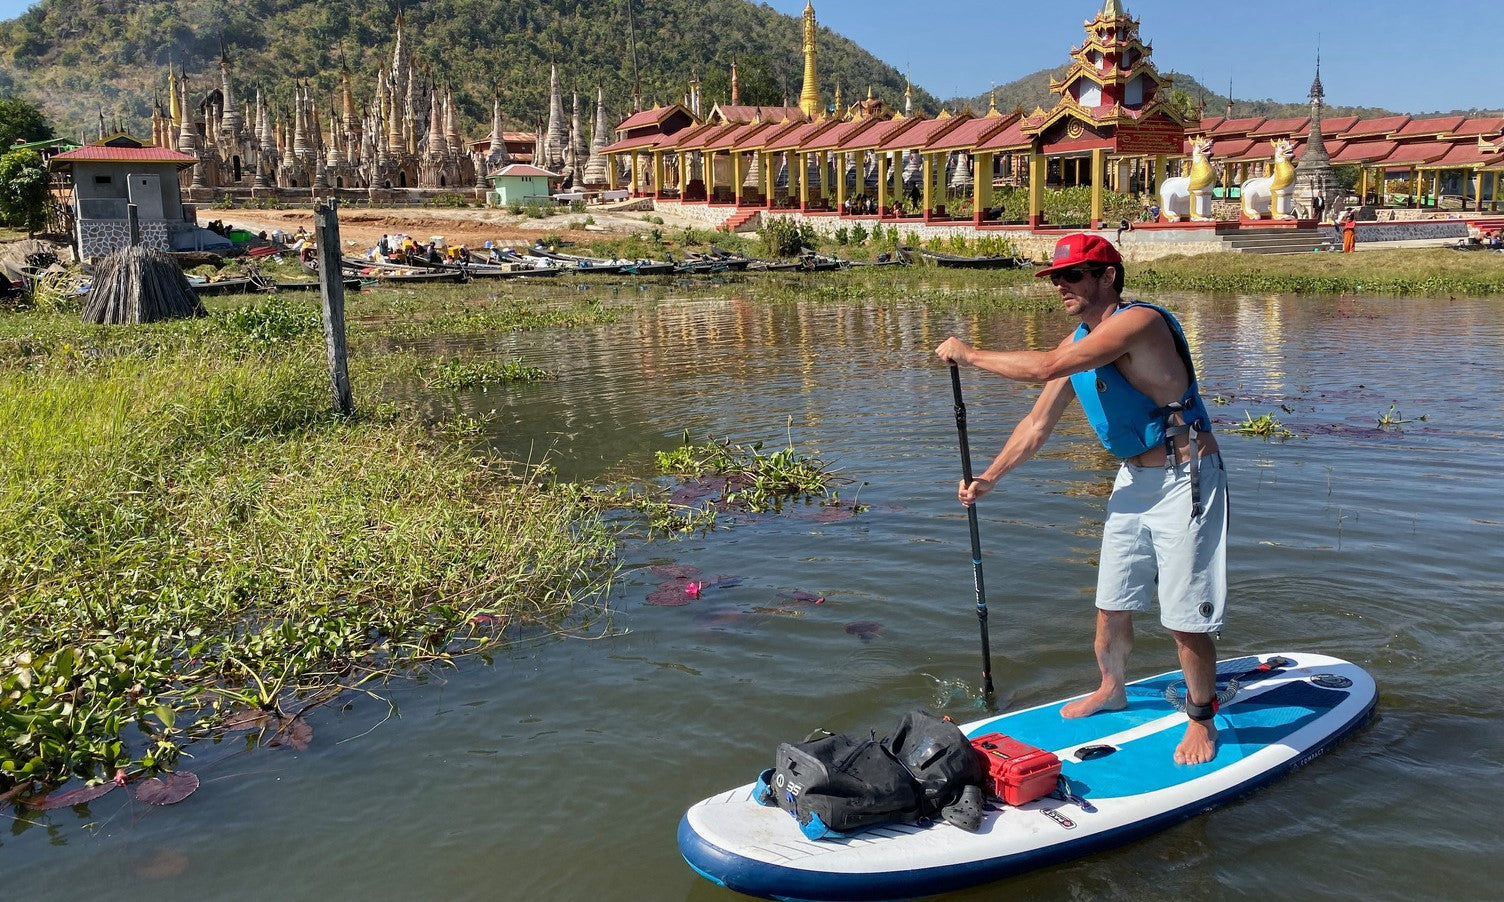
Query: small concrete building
{"points": [[109, 176], [521, 183]]}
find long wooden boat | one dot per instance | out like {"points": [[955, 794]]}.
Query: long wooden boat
{"points": [[956, 261]]}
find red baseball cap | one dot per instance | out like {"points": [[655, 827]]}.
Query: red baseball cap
{"points": [[1074, 250]]}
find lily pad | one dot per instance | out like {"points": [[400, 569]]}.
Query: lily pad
{"points": [[296, 734], [169, 789], [79, 796], [865, 630], [802, 597], [674, 571], [669, 596]]}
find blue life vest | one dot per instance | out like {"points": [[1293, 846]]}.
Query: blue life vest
{"points": [[1126, 420]]}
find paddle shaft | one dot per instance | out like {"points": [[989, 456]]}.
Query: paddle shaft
{"points": [[976, 538]]}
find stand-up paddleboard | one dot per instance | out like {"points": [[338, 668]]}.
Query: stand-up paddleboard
{"points": [[1278, 712]]}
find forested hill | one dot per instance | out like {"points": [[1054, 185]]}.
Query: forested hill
{"points": [[78, 58], [1033, 90]]}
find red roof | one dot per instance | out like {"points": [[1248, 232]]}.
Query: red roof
{"points": [[641, 142], [796, 139], [1336, 125], [1440, 125], [875, 136], [728, 136], [1469, 154], [647, 117], [756, 140], [1382, 126], [94, 153], [1229, 127], [1472, 128], [1209, 123], [922, 134], [1369, 151], [1417, 153], [1227, 148], [1010, 138], [833, 138], [1281, 128], [973, 133]]}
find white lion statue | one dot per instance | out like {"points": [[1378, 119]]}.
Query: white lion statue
{"points": [[1273, 196], [1190, 196]]}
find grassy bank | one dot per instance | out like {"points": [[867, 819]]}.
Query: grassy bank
{"points": [[186, 531], [1410, 271]]}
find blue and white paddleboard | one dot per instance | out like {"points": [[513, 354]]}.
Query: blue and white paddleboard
{"points": [[1278, 712]]}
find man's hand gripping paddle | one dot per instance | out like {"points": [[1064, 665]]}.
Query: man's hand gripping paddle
{"points": [[976, 539]]}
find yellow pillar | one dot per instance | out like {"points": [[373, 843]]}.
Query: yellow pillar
{"points": [[1436, 188], [636, 173], [611, 171], [929, 182], [1415, 179], [1493, 193], [1362, 184], [882, 184], [767, 178], [684, 163], [658, 172], [736, 177], [1037, 166], [1159, 172], [1098, 176], [1478, 190], [840, 167], [709, 158], [799, 164], [981, 192]]}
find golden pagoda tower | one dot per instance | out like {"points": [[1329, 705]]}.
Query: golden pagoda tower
{"points": [[809, 98]]}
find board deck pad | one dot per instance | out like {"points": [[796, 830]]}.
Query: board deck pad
{"points": [[1273, 720]]}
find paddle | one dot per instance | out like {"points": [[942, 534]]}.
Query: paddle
{"points": [[976, 539]]}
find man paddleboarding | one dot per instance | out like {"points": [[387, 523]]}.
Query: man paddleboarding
{"points": [[1129, 365]]}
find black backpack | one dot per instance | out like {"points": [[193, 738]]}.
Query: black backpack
{"points": [[840, 783]]}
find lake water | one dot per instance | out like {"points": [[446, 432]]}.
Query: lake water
{"points": [[560, 770]]}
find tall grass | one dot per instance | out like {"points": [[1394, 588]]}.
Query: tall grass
{"points": [[185, 527]]}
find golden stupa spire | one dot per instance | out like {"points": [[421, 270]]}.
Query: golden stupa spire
{"points": [[174, 108], [809, 98]]}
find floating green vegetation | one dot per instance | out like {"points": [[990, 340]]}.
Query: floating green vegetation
{"points": [[455, 374], [753, 481], [1265, 426], [187, 531], [1393, 419]]}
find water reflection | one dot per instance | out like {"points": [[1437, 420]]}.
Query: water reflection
{"points": [[560, 771]]}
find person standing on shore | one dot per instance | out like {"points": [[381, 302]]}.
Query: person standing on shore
{"points": [[1349, 232], [1129, 365]]}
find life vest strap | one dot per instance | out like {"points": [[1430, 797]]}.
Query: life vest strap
{"points": [[1192, 448]]}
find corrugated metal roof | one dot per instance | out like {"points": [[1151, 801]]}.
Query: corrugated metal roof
{"points": [[93, 153]]}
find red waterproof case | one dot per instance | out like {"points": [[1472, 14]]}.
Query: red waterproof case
{"points": [[1019, 773]]}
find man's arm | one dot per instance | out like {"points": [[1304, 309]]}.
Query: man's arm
{"points": [[1115, 336], [1028, 437]]}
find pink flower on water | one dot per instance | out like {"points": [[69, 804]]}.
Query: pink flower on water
{"points": [[693, 589]]}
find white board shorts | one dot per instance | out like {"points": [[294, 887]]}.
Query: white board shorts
{"points": [[1150, 542]]}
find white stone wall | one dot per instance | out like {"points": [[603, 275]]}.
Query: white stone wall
{"points": [[102, 237]]}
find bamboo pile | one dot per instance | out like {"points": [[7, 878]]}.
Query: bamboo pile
{"points": [[139, 285]]}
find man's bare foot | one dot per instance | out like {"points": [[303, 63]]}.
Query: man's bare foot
{"points": [[1104, 699], [1199, 745]]}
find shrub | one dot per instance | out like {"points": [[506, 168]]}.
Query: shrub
{"points": [[783, 237]]}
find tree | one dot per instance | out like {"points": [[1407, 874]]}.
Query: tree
{"points": [[20, 121], [23, 189]]}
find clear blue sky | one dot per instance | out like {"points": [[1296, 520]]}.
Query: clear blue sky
{"points": [[1405, 55]]}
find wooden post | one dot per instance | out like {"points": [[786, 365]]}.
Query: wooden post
{"points": [[134, 219], [332, 288]]}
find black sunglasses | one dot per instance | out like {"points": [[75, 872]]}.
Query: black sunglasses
{"points": [[1075, 274]]}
